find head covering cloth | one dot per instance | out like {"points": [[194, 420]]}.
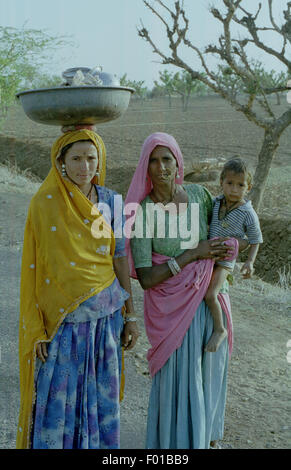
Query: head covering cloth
{"points": [[62, 264], [141, 184]]}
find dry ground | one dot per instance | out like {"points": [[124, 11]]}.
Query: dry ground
{"points": [[258, 413]]}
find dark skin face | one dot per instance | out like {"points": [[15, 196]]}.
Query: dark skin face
{"points": [[81, 162], [162, 166], [234, 186], [162, 170]]}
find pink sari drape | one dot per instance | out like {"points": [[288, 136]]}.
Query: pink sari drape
{"points": [[169, 308]]}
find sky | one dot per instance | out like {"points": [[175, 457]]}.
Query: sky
{"points": [[104, 32]]}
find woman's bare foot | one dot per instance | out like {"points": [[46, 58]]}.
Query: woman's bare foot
{"points": [[216, 339]]}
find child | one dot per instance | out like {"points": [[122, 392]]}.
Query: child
{"points": [[232, 216]]}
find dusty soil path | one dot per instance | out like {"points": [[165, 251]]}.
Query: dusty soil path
{"points": [[258, 413]]}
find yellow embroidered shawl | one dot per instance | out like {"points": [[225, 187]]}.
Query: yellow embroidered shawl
{"points": [[61, 265]]}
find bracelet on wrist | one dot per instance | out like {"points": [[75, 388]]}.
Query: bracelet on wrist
{"points": [[128, 319], [174, 267]]}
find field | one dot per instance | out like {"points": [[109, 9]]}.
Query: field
{"points": [[258, 407], [210, 129]]}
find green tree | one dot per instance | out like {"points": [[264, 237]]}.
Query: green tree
{"points": [[232, 51], [45, 80], [270, 80], [261, 81], [172, 83], [157, 92], [141, 91], [185, 86], [166, 85], [23, 53], [227, 78]]}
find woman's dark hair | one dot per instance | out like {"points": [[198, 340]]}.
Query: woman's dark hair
{"points": [[67, 147], [237, 165]]}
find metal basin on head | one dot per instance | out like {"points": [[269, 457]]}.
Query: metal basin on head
{"points": [[75, 105]]}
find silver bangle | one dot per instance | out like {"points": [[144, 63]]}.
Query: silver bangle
{"points": [[129, 319], [174, 267], [175, 264]]}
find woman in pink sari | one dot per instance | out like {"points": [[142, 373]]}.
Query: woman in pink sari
{"points": [[188, 394]]}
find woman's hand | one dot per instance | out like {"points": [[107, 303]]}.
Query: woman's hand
{"points": [[129, 335], [213, 249], [41, 351]]}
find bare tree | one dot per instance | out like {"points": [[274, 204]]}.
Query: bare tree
{"points": [[232, 52]]}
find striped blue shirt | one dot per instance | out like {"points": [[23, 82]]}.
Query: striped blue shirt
{"points": [[241, 222]]}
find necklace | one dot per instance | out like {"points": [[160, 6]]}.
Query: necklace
{"points": [[89, 193], [165, 201], [224, 211]]}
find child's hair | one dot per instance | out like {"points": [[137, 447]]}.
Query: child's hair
{"points": [[237, 165]]}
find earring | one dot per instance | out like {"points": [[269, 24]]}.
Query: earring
{"points": [[177, 173], [64, 173], [97, 175]]}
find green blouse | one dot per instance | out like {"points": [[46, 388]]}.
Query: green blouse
{"points": [[154, 220]]}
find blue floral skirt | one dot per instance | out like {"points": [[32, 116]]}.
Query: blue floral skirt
{"points": [[77, 388]]}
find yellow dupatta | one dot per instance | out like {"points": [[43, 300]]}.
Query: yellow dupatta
{"points": [[62, 265]]}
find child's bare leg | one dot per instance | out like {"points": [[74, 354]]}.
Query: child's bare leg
{"points": [[219, 331]]}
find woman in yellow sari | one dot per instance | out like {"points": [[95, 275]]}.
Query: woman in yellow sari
{"points": [[74, 288]]}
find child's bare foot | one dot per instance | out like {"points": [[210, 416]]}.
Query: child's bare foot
{"points": [[216, 339]]}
